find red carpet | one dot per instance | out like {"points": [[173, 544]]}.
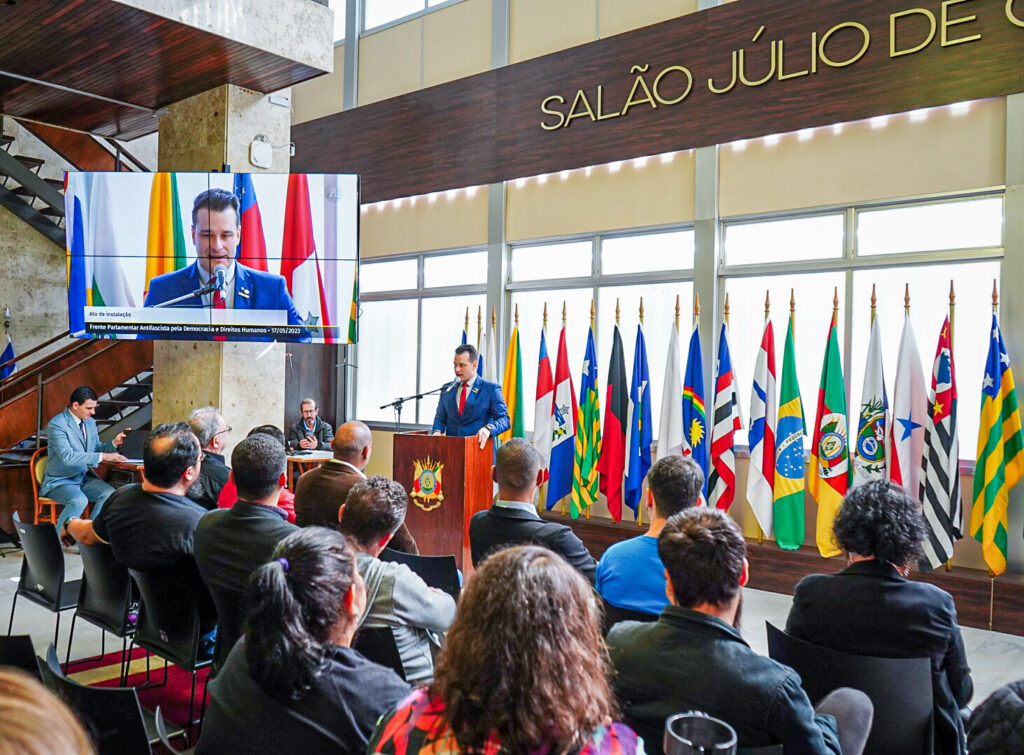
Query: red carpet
{"points": [[171, 697]]}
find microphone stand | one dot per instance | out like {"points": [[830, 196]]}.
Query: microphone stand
{"points": [[398, 402], [208, 289]]}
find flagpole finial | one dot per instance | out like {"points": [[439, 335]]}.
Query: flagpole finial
{"points": [[593, 313], [792, 302], [677, 312], [479, 324], [7, 318], [617, 311], [641, 310], [995, 297], [835, 299], [545, 315], [564, 313], [696, 307], [906, 298], [467, 320], [494, 318], [517, 315], [767, 303], [725, 311], [952, 294]]}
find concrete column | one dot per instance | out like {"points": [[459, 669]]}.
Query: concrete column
{"points": [[1011, 307], [244, 380]]}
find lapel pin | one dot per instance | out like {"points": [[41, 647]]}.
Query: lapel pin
{"points": [[243, 292]]}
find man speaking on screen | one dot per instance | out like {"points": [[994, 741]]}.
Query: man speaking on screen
{"points": [[470, 405], [216, 232]]}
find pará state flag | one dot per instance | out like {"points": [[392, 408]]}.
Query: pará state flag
{"points": [[869, 449], [671, 436], [829, 472], [940, 474], [542, 418], [722, 481], [695, 422], [789, 454], [588, 435], [611, 464], [764, 407], [905, 445], [563, 428], [639, 433]]}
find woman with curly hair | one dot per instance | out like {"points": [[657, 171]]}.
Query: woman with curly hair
{"points": [[293, 683], [524, 670], [871, 608]]}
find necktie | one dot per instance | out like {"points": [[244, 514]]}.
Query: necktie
{"points": [[85, 438], [219, 303], [462, 397]]}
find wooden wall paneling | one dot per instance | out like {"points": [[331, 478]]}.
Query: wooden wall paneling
{"points": [[1007, 604], [15, 495]]}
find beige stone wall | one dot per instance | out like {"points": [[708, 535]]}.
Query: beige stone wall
{"points": [[320, 96]]}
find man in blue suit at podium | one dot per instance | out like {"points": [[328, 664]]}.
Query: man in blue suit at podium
{"points": [[470, 405]]}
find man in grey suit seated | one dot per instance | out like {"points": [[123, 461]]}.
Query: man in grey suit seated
{"points": [[74, 448]]}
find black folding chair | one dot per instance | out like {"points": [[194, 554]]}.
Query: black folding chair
{"points": [[42, 573], [899, 688], [17, 650], [113, 715], [165, 736], [437, 571], [108, 599], [169, 624], [378, 645]]}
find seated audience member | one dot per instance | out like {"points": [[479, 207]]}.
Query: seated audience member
{"points": [[34, 721], [997, 725], [693, 657], [229, 493], [209, 426], [310, 433], [396, 596], [150, 527], [232, 543], [871, 608], [630, 575], [320, 493], [513, 519], [523, 670], [293, 683]]}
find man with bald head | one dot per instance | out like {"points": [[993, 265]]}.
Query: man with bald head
{"points": [[320, 493], [513, 519]]}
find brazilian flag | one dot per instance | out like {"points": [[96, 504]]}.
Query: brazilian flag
{"points": [[789, 454]]}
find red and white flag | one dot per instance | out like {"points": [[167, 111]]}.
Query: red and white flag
{"points": [[722, 480], [905, 441], [764, 409], [299, 264], [543, 413]]}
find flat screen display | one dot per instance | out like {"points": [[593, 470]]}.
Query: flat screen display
{"points": [[213, 256]]}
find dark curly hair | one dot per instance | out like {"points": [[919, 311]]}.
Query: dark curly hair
{"points": [[882, 520], [525, 657], [295, 602]]}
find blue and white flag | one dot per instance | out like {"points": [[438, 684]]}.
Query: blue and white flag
{"points": [[638, 425]]}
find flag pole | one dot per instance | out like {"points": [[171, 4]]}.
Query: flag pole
{"points": [[465, 326], [874, 304], [906, 299], [593, 318], [542, 492], [564, 312], [952, 309], [696, 309], [639, 504], [479, 325], [767, 315]]}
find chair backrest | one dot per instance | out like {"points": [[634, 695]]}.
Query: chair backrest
{"points": [[165, 736], [42, 571], [37, 466], [437, 571], [899, 688], [613, 615], [168, 617], [17, 650], [378, 645], [107, 591], [112, 715]]}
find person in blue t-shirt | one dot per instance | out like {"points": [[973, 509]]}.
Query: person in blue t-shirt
{"points": [[630, 574]]}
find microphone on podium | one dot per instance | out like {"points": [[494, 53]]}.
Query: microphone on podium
{"points": [[219, 272]]}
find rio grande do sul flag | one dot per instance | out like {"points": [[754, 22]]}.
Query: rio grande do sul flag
{"points": [[829, 472], [1000, 453], [764, 408]]}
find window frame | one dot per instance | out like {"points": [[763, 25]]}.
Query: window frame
{"points": [[364, 31]]}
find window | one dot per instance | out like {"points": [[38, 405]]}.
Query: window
{"points": [[378, 13], [962, 224], [784, 240], [338, 6], [408, 335], [656, 266]]}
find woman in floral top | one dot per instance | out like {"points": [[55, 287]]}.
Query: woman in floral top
{"points": [[524, 670]]}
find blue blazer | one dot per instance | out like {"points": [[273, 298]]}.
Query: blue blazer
{"points": [[254, 289], [485, 407], [69, 455]]}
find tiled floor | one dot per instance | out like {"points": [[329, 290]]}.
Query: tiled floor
{"points": [[995, 658]]}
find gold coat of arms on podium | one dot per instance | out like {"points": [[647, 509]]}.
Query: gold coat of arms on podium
{"points": [[426, 484]]}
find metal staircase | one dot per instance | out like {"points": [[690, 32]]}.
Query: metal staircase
{"points": [[36, 200]]}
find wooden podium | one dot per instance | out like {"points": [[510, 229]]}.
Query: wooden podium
{"points": [[449, 480]]}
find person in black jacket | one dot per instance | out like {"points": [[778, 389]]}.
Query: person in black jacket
{"points": [[293, 683], [871, 608], [513, 519], [997, 725], [310, 433], [209, 426]]}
